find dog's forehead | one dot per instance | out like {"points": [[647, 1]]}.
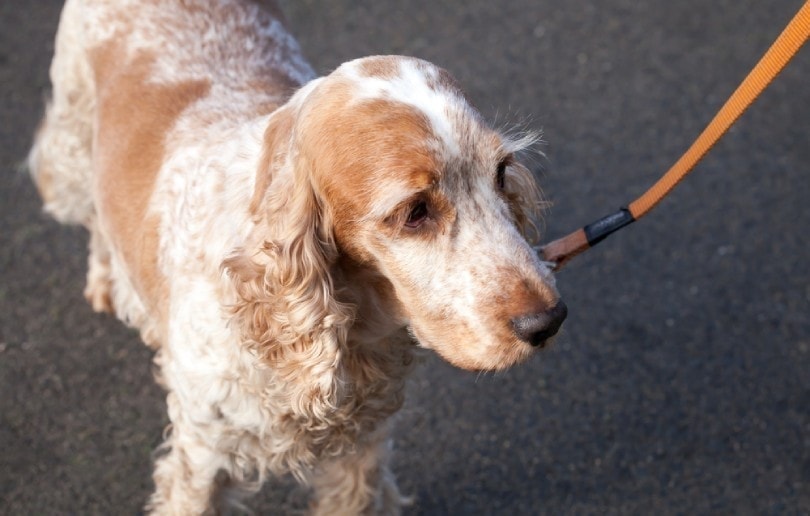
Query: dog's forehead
{"points": [[418, 84]]}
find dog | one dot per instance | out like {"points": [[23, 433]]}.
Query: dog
{"points": [[284, 242]]}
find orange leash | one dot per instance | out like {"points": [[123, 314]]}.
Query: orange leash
{"points": [[560, 251]]}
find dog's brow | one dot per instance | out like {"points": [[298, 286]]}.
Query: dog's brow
{"points": [[389, 197], [418, 87]]}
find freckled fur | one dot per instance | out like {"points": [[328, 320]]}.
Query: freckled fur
{"points": [[249, 220]]}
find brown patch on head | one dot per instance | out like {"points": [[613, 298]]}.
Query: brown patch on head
{"points": [[359, 154], [133, 119]]}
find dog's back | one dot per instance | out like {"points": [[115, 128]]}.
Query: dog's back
{"points": [[132, 79], [125, 51]]}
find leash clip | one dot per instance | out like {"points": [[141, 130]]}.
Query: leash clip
{"points": [[599, 230]]}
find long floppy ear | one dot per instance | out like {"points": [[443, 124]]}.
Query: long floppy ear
{"points": [[286, 308], [520, 186], [525, 199]]}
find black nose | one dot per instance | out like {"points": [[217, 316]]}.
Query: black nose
{"points": [[537, 328]]}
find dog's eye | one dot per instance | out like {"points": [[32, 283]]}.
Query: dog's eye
{"points": [[417, 215], [500, 177]]}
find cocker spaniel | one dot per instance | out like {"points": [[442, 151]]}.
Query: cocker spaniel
{"points": [[282, 241]]}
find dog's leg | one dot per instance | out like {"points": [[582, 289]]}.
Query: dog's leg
{"points": [[98, 290], [358, 483], [190, 477]]}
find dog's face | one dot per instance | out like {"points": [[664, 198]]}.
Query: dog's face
{"points": [[422, 192]]}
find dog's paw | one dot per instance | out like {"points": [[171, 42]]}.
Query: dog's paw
{"points": [[98, 291]]}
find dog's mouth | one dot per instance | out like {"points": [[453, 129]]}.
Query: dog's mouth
{"points": [[465, 354]]}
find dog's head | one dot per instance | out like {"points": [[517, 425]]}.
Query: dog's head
{"points": [[404, 199]]}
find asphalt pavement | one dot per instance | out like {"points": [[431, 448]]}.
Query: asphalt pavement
{"points": [[681, 381]]}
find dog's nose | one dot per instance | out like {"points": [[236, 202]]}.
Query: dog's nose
{"points": [[537, 328]]}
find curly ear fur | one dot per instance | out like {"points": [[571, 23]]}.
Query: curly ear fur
{"points": [[525, 200], [286, 309]]}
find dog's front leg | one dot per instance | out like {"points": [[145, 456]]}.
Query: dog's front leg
{"points": [[192, 476], [358, 483], [98, 291]]}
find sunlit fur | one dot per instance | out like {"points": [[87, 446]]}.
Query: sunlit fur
{"points": [[257, 225]]}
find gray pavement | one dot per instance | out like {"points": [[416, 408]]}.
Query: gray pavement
{"points": [[681, 383]]}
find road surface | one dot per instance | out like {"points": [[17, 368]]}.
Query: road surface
{"points": [[681, 382]]}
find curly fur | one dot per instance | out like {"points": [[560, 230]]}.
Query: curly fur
{"points": [[282, 242]]}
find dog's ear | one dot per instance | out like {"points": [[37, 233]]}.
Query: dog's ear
{"points": [[525, 200], [286, 307]]}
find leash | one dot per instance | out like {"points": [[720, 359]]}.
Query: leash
{"points": [[560, 251]]}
